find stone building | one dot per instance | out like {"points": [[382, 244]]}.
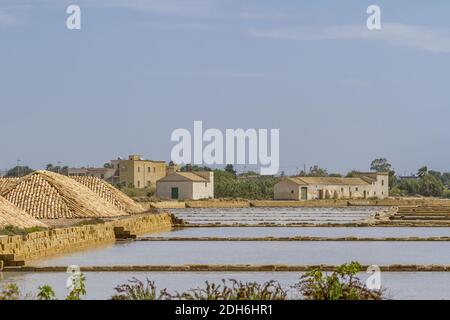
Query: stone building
{"points": [[106, 174], [362, 185], [186, 186], [137, 172]]}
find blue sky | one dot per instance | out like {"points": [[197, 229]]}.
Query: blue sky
{"points": [[340, 95]]}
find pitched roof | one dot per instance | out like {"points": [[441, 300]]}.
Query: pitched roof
{"points": [[327, 181], [369, 177], [183, 176]]}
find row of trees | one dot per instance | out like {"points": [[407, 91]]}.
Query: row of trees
{"points": [[20, 171], [228, 184]]}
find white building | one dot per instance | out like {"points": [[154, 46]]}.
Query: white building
{"points": [[362, 185], [186, 186]]}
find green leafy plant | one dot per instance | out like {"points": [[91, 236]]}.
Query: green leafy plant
{"points": [[342, 284], [79, 288], [236, 290], [46, 293], [10, 292], [138, 290]]}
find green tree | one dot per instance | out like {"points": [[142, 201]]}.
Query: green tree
{"points": [[229, 168], [409, 186], [18, 171], [430, 186], [423, 171], [226, 185], [192, 168], [57, 169], [380, 165], [316, 171]]}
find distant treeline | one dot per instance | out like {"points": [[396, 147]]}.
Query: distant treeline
{"points": [[251, 185]]}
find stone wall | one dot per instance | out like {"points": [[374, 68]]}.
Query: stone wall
{"points": [[218, 204], [168, 205], [300, 203], [15, 250]]}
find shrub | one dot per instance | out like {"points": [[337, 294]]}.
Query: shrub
{"points": [[46, 293], [342, 284], [10, 292], [429, 185], [236, 290], [137, 290], [226, 185], [446, 193]]}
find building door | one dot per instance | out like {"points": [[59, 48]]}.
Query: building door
{"points": [[365, 194], [320, 194], [174, 193], [304, 193]]}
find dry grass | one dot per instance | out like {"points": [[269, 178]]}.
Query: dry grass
{"points": [[10, 215], [111, 194], [48, 195]]}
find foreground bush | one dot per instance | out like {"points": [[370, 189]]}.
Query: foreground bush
{"points": [[236, 290], [227, 290], [315, 285], [340, 285], [137, 290]]}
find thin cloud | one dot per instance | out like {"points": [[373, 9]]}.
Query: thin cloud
{"points": [[394, 34]]}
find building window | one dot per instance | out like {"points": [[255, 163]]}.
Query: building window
{"points": [[149, 184], [154, 169], [149, 169], [356, 189], [139, 184], [382, 182], [139, 169]]}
